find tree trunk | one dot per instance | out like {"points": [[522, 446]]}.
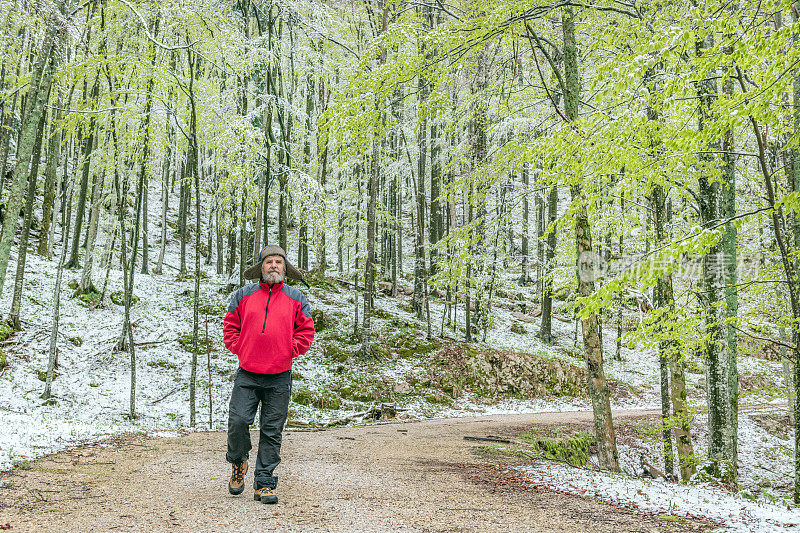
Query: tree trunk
{"points": [[711, 294], [191, 163], [39, 84], [52, 353], [369, 264], [26, 226], [53, 155], [546, 329], [598, 387], [82, 193], [731, 280]]}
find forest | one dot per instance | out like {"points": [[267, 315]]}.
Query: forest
{"points": [[617, 155]]}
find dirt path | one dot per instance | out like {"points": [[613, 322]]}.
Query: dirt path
{"points": [[420, 476]]}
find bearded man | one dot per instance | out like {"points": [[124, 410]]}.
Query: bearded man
{"points": [[267, 325]]}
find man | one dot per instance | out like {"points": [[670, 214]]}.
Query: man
{"points": [[267, 325]]}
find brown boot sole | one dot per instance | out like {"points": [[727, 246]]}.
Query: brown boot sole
{"points": [[265, 499]]}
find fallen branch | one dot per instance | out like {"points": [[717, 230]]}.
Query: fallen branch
{"points": [[488, 439], [170, 393]]}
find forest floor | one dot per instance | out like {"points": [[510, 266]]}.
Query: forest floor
{"points": [[402, 476]]}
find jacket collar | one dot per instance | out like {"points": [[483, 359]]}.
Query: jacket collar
{"points": [[265, 286]]}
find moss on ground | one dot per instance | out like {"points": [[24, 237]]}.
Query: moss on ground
{"points": [[187, 342], [5, 331], [118, 297], [319, 399], [161, 363]]}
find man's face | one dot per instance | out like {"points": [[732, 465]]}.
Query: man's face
{"points": [[273, 269]]}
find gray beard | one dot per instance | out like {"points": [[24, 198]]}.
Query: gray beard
{"points": [[271, 278]]}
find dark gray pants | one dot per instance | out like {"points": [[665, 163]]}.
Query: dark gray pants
{"points": [[272, 391]]}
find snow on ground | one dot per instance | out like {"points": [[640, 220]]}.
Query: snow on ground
{"points": [[663, 498]]}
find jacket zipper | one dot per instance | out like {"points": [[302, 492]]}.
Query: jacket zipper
{"points": [[266, 310]]}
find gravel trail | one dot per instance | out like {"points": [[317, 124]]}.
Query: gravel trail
{"points": [[414, 476]]}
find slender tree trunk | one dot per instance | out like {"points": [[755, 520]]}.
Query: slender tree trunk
{"points": [[546, 329], [82, 193], [598, 387], [53, 155], [369, 264], [86, 284], [39, 84], [26, 227], [191, 163], [52, 353]]}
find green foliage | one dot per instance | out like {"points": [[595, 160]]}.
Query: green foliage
{"points": [[5, 331], [3, 360], [570, 449], [90, 298], [76, 341]]}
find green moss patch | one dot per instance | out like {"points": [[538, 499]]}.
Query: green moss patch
{"points": [[570, 449], [203, 343], [5, 331], [318, 399], [167, 365], [118, 297]]}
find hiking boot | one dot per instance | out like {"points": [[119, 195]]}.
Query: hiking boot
{"points": [[236, 483], [265, 495]]}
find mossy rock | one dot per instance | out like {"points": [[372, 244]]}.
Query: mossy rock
{"points": [[5, 331], [334, 352], [302, 396], [409, 344], [518, 328], [439, 397], [3, 360], [118, 297], [76, 341], [379, 351], [187, 343], [366, 390], [320, 319], [90, 298]]}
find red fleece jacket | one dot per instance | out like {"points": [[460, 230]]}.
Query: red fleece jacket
{"points": [[267, 327]]}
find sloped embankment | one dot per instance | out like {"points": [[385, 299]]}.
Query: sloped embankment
{"points": [[494, 373]]}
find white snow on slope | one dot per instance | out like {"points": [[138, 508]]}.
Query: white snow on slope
{"points": [[662, 498]]}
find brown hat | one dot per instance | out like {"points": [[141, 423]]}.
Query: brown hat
{"points": [[254, 270]]}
